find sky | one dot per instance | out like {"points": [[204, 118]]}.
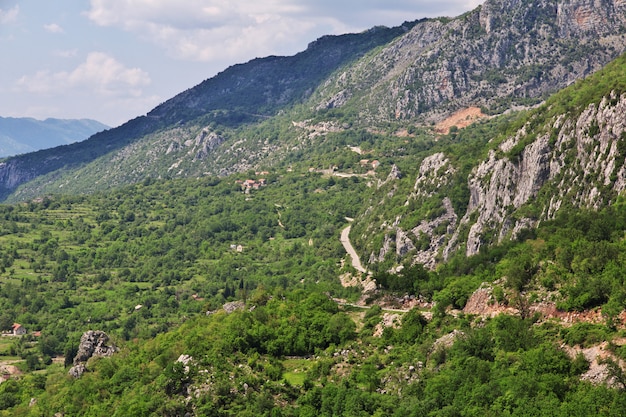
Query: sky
{"points": [[114, 60]]}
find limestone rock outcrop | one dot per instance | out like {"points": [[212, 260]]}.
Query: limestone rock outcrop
{"points": [[93, 343], [503, 52], [575, 159]]}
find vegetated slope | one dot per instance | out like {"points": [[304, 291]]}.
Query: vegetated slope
{"points": [[22, 135], [241, 94], [503, 53], [475, 190], [147, 262]]}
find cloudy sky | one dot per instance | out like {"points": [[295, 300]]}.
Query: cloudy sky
{"points": [[112, 60]]}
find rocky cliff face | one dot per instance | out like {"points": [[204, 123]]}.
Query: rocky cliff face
{"points": [[504, 53], [579, 161], [573, 159], [12, 174], [425, 241]]}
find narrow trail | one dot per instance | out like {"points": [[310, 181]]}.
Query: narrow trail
{"points": [[345, 241]]}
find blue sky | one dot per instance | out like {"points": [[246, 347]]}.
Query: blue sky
{"points": [[113, 60]]}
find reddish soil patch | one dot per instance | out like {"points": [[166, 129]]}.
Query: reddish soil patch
{"points": [[460, 119]]}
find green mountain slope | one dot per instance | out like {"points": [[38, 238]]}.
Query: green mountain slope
{"points": [[147, 262]]}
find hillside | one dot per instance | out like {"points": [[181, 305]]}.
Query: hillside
{"points": [[566, 154], [224, 295], [502, 55], [200, 260], [23, 135]]}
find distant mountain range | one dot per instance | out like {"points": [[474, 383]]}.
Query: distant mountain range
{"points": [[25, 134]]}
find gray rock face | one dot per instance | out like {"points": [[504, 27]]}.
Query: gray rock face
{"points": [[234, 306], [427, 239], [582, 159], [13, 174], [92, 343], [394, 174], [434, 172], [575, 159], [205, 142], [504, 52], [77, 371]]}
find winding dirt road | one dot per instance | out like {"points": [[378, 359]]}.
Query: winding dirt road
{"points": [[345, 241]]}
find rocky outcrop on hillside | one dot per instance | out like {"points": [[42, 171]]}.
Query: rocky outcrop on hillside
{"points": [[93, 343], [434, 172], [579, 159], [575, 159], [13, 174], [504, 53], [426, 240]]}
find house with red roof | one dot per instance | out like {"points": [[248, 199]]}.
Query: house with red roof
{"points": [[18, 329]]}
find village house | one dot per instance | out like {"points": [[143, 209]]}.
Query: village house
{"points": [[366, 162], [18, 329], [248, 185]]}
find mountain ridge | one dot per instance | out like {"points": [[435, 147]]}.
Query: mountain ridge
{"points": [[16, 171], [503, 54]]}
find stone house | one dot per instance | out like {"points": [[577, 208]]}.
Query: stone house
{"points": [[18, 329]]}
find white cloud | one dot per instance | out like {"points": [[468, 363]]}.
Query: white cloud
{"points": [[10, 15], [100, 74], [53, 28], [207, 30], [204, 30]]}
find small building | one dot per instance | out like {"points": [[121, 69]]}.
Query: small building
{"points": [[18, 329], [249, 184]]}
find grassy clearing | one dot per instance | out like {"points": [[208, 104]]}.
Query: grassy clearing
{"points": [[296, 370]]}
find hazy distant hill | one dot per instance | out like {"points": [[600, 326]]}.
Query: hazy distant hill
{"points": [[22, 135]]}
